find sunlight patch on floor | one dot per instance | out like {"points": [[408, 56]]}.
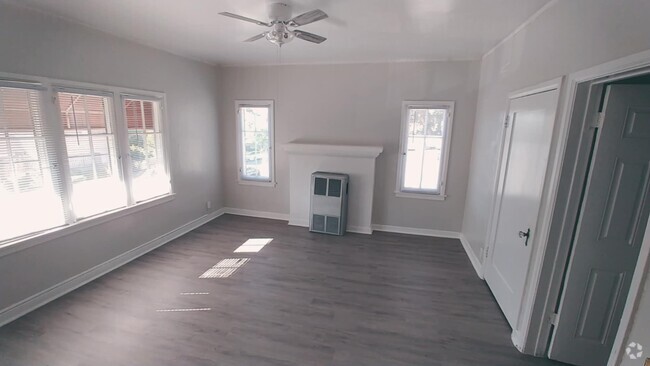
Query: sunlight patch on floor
{"points": [[225, 268], [181, 310], [253, 245]]}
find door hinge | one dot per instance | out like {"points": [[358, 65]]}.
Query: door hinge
{"points": [[54, 99], [507, 122], [553, 319], [487, 252], [599, 118]]}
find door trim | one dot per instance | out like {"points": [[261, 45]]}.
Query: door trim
{"points": [[497, 186], [533, 333]]}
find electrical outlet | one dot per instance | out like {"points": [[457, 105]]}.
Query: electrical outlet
{"points": [[208, 205]]}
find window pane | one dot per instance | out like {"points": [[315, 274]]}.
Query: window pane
{"points": [[256, 142], [148, 169], [30, 188], [424, 144], [92, 156]]}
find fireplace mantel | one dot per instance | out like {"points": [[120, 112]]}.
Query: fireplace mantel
{"points": [[334, 150], [356, 161]]}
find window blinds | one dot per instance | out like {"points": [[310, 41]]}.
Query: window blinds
{"points": [[30, 179]]}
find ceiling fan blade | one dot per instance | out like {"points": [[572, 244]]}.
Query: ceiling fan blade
{"points": [[255, 38], [308, 17], [310, 37], [258, 22]]}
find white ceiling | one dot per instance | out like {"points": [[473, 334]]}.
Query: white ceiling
{"points": [[357, 30]]}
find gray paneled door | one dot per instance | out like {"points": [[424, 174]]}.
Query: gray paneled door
{"points": [[609, 231]]}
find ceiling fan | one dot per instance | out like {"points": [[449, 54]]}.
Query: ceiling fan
{"points": [[283, 26]]}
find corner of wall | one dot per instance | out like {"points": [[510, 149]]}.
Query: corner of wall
{"points": [[476, 261]]}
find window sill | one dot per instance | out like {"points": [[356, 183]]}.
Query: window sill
{"points": [[422, 196], [258, 183], [51, 234]]}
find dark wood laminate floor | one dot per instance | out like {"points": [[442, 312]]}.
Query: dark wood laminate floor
{"points": [[304, 299]]}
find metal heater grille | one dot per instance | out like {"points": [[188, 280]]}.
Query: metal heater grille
{"points": [[329, 201]]}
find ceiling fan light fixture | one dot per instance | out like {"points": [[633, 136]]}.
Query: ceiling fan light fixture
{"points": [[279, 35]]}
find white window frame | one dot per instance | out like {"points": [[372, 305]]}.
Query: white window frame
{"points": [[49, 88], [400, 191], [270, 182]]}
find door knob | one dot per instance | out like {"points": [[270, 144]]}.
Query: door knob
{"points": [[525, 234]]}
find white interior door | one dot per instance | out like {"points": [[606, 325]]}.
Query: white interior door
{"points": [[523, 169], [609, 231]]}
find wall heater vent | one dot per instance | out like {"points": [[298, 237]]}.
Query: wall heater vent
{"points": [[329, 203]]}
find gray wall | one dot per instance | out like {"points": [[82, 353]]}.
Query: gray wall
{"points": [[567, 37], [35, 44], [353, 104]]}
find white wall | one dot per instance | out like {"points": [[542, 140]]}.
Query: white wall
{"points": [[355, 104], [35, 44], [567, 37]]}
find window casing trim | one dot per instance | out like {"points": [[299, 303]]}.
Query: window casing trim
{"points": [[49, 87], [241, 179], [439, 194]]}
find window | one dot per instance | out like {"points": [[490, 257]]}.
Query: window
{"points": [[255, 142], [68, 153], [424, 149], [30, 183], [148, 170], [91, 153]]}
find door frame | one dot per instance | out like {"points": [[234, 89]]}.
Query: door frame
{"points": [[579, 103], [498, 183]]}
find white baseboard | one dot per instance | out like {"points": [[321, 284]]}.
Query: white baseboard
{"points": [[360, 229], [35, 301], [416, 231], [478, 266], [255, 213], [352, 229], [301, 223]]}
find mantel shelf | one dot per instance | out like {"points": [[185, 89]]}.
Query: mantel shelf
{"points": [[333, 150]]}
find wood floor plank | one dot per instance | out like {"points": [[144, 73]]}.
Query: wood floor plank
{"points": [[303, 299]]}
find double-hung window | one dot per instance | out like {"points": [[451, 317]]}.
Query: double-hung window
{"points": [[148, 170], [93, 167], [424, 149], [255, 142], [71, 151]]}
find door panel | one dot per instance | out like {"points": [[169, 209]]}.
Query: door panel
{"points": [[523, 169], [609, 231]]}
